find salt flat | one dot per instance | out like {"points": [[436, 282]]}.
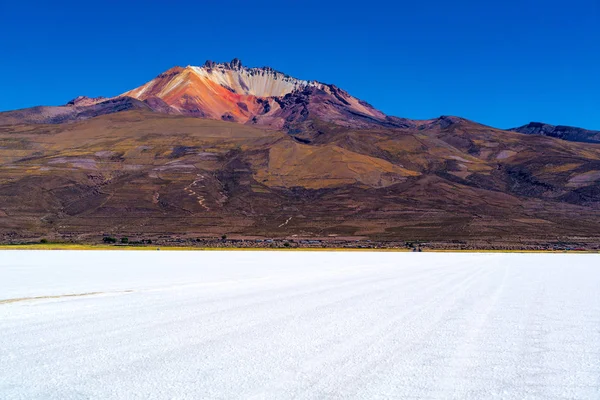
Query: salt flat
{"points": [[308, 325]]}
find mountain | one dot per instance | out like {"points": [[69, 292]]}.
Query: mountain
{"points": [[226, 91], [562, 132], [253, 153], [261, 96]]}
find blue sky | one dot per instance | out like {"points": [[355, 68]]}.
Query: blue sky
{"points": [[502, 63]]}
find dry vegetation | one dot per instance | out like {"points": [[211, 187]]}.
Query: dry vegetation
{"points": [[151, 175]]}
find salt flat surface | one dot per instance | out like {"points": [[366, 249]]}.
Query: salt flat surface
{"points": [[308, 325]]}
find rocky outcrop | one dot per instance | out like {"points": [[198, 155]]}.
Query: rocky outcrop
{"points": [[559, 131], [158, 105], [86, 101]]}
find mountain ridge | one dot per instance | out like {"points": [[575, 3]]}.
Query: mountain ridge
{"points": [[259, 96], [200, 154], [559, 131]]}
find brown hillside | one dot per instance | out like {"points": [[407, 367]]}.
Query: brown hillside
{"points": [[147, 174]]}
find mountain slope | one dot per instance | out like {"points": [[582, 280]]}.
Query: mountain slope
{"points": [[76, 110], [144, 174]]}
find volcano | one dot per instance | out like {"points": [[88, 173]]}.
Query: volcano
{"points": [[224, 91], [202, 151], [263, 96]]}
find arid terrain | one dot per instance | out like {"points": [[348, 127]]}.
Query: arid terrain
{"points": [[251, 153]]}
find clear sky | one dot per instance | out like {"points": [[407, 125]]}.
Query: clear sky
{"points": [[503, 63]]}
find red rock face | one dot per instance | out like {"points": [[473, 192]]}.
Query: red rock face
{"points": [[191, 94]]}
